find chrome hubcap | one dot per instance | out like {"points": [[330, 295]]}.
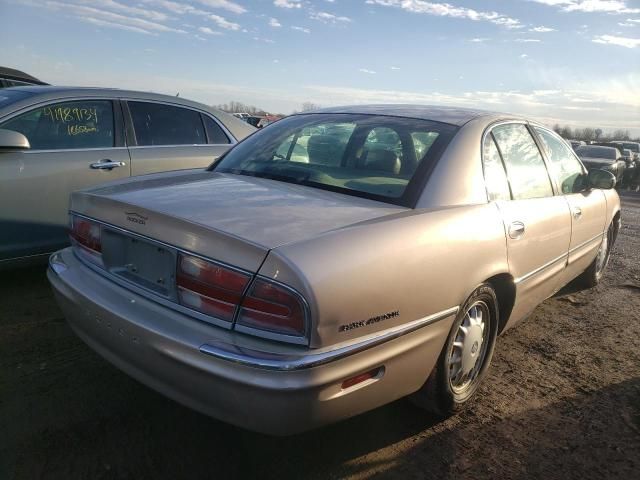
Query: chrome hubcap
{"points": [[469, 347], [602, 254]]}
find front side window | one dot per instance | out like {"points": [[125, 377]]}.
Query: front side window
{"points": [[494, 175], [158, 124], [565, 167], [365, 155], [526, 170], [68, 125]]}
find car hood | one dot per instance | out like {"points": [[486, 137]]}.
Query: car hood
{"points": [[266, 213]]}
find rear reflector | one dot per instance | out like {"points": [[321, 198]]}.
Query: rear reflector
{"points": [[208, 287], [272, 307], [363, 377]]}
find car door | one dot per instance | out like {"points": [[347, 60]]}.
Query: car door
{"points": [[74, 144], [169, 137], [537, 223], [587, 205]]}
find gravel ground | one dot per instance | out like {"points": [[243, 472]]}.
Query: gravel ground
{"points": [[562, 400]]}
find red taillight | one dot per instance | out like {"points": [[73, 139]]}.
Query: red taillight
{"points": [[272, 307], [208, 287], [86, 233]]}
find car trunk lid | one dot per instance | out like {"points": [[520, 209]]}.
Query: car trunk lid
{"points": [[230, 218]]}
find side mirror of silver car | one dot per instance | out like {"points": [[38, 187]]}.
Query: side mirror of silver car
{"points": [[601, 179], [11, 141]]}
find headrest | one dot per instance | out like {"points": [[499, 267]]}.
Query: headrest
{"points": [[383, 160]]}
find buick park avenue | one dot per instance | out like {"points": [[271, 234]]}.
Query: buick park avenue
{"points": [[334, 261]]}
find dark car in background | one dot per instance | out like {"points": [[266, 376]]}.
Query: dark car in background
{"points": [[10, 77], [601, 157]]}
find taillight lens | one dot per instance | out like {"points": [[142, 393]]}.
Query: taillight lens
{"points": [[86, 235], [208, 287], [272, 307]]}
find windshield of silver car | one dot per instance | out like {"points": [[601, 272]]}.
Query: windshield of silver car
{"points": [[379, 157]]}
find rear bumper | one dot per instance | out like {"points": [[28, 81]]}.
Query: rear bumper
{"points": [[261, 386]]}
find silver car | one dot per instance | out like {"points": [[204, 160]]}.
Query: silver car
{"points": [[54, 140], [334, 262]]}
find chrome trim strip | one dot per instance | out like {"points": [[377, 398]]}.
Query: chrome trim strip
{"points": [[183, 145], [289, 362], [63, 150], [539, 269], [578, 247]]}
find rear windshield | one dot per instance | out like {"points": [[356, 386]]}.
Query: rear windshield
{"points": [[634, 147], [597, 152], [379, 157]]}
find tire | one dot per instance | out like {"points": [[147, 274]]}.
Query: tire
{"points": [[444, 393], [593, 274]]}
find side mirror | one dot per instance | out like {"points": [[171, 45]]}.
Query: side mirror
{"points": [[601, 179], [11, 141]]}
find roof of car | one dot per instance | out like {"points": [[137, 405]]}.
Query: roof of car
{"points": [[12, 73], [452, 115]]}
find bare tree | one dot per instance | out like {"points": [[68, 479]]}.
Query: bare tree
{"points": [[306, 106]]}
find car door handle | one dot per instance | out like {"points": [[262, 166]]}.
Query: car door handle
{"points": [[106, 165], [576, 212], [516, 230]]}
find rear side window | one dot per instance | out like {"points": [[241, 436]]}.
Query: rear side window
{"points": [[526, 170], [565, 167], [158, 124], [494, 175], [214, 132], [68, 125]]}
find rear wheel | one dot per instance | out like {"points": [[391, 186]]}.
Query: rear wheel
{"points": [[466, 356], [592, 275]]}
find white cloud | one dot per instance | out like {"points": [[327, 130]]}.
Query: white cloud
{"points": [[448, 10], [273, 22], [208, 31], [300, 29], [183, 8], [125, 9], [542, 29], [288, 3], [328, 17], [224, 4], [620, 41], [608, 6], [107, 18], [478, 40], [528, 40], [365, 70], [224, 23], [524, 55], [394, 68]]}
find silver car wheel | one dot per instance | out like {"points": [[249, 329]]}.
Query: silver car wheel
{"points": [[469, 347], [603, 254]]}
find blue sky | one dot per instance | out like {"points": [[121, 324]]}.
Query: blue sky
{"points": [[567, 61]]}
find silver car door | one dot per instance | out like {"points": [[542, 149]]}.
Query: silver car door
{"points": [[587, 205], [74, 145], [537, 222], [166, 137]]}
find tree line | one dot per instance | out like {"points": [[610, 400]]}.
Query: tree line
{"points": [[239, 107], [589, 134]]}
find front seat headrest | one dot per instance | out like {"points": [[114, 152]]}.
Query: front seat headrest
{"points": [[383, 160]]}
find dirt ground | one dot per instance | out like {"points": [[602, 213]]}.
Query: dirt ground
{"points": [[562, 401]]}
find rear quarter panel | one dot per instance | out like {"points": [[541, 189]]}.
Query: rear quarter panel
{"points": [[416, 263]]}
